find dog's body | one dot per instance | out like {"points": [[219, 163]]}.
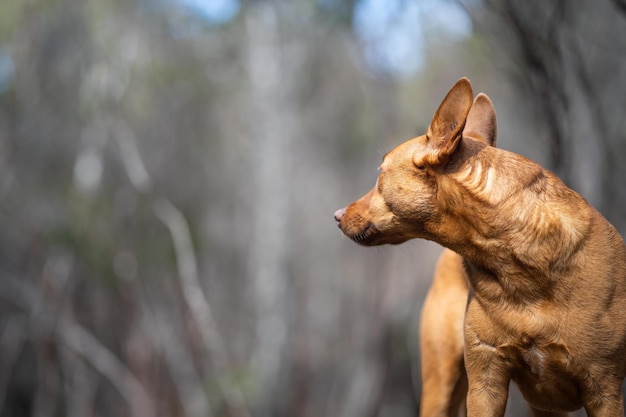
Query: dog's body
{"points": [[546, 272]]}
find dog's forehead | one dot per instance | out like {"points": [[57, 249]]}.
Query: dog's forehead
{"points": [[404, 151]]}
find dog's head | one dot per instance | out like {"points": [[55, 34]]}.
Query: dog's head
{"points": [[402, 204]]}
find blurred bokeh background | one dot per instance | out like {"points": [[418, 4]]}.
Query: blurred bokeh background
{"points": [[169, 170]]}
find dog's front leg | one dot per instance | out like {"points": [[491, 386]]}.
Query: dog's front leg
{"points": [[606, 400], [488, 380], [487, 394]]}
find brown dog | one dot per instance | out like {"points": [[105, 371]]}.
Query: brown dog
{"points": [[546, 272]]}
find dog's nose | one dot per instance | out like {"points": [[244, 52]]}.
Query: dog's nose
{"points": [[339, 214]]}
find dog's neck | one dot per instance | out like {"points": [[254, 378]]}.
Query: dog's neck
{"points": [[507, 216]]}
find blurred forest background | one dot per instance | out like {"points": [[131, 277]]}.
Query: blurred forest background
{"points": [[169, 171]]}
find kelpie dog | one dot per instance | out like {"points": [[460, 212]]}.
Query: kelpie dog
{"points": [[546, 272]]}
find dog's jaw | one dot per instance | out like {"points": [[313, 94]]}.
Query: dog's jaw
{"points": [[363, 234], [369, 235]]}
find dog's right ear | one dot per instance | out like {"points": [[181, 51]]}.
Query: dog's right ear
{"points": [[445, 130], [481, 121]]}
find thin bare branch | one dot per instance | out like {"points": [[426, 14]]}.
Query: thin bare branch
{"points": [[186, 263], [185, 376], [11, 343], [83, 343]]}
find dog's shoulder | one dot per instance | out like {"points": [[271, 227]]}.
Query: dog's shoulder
{"points": [[537, 217]]}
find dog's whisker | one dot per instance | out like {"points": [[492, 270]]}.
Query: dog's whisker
{"points": [[363, 235]]}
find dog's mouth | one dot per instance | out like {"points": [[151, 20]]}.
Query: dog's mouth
{"points": [[370, 235], [364, 236]]}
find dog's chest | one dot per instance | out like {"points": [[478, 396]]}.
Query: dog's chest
{"points": [[545, 373], [522, 344], [529, 356]]}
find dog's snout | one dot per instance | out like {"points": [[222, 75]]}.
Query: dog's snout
{"points": [[339, 214]]}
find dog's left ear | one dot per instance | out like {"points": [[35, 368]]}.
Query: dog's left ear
{"points": [[481, 121], [445, 130]]}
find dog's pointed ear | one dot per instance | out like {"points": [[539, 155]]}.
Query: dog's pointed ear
{"points": [[481, 121], [445, 130]]}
